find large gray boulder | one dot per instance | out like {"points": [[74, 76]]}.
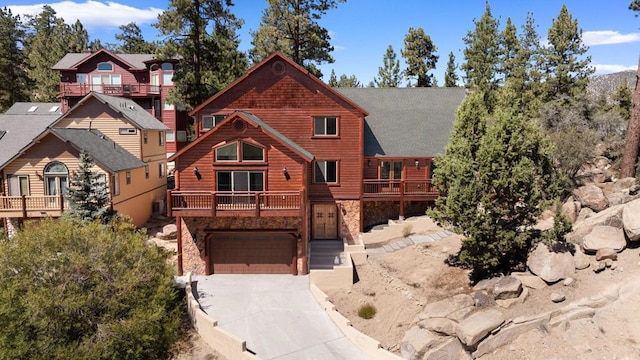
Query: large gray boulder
{"points": [[507, 287], [571, 209], [478, 325], [446, 307], [631, 220], [591, 196], [609, 217], [416, 341], [551, 266], [602, 236]]}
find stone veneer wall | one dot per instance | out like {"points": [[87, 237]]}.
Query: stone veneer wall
{"points": [[350, 219], [194, 234], [380, 212]]}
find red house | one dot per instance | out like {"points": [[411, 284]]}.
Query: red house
{"points": [[282, 160], [139, 77]]}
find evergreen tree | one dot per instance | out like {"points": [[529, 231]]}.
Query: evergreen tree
{"points": [[333, 80], [481, 55], [131, 41], [508, 50], [201, 34], [88, 195], [420, 55], [389, 73], [450, 76], [622, 97], [13, 76], [78, 37], [291, 27], [567, 69], [344, 81]]}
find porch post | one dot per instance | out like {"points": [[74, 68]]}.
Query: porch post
{"points": [[24, 206], [61, 203], [402, 184], [179, 241]]}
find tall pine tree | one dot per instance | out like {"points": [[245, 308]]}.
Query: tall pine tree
{"points": [[420, 55], [389, 73], [131, 41], [14, 81], [450, 76]]}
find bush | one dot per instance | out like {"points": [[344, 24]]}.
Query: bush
{"points": [[90, 291], [367, 311], [407, 230]]}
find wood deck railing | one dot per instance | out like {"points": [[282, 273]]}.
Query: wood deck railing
{"points": [[137, 89], [414, 189], [207, 203], [32, 206]]}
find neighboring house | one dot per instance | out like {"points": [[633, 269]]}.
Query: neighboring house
{"points": [[281, 159], [40, 152], [139, 77]]}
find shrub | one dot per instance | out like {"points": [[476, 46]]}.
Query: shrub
{"points": [[85, 291], [367, 311], [407, 230]]}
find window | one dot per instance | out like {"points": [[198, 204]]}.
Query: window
{"points": [[168, 105], [115, 184], [161, 138], [146, 171], [56, 178], [105, 66], [128, 131], [170, 136], [325, 126], [128, 176], [248, 152], [18, 185], [82, 79], [181, 136], [145, 136], [210, 121], [98, 81], [167, 74], [391, 170], [161, 170], [239, 181], [326, 172]]}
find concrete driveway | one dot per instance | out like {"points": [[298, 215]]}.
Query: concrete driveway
{"points": [[276, 315]]}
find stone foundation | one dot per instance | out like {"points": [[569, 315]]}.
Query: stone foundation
{"points": [[380, 212]]}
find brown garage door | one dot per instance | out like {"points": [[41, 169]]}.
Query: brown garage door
{"points": [[253, 253]]}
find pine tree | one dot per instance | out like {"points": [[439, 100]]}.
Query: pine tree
{"points": [[291, 27], [13, 76], [450, 76], [131, 41], [389, 73], [78, 37], [201, 34], [420, 55], [88, 194], [509, 47], [566, 66], [622, 97], [481, 55]]}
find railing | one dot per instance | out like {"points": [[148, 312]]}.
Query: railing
{"points": [[79, 89], [213, 202], [32, 206], [398, 188]]}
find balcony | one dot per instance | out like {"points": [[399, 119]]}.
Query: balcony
{"points": [[252, 204], [32, 206], [383, 189], [130, 90]]}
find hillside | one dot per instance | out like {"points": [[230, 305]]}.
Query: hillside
{"points": [[607, 84]]}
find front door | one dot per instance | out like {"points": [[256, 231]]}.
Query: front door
{"points": [[325, 221]]}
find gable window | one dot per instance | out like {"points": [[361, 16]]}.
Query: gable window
{"points": [[325, 126], [105, 66], [325, 172], [56, 179], [210, 121], [239, 181], [244, 152], [18, 185], [128, 131]]}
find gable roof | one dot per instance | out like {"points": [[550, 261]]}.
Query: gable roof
{"points": [[290, 62], [407, 122], [71, 61], [103, 150], [131, 111], [34, 108], [19, 133], [264, 127]]}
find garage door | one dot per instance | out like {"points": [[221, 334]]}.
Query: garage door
{"points": [[254, 253]]}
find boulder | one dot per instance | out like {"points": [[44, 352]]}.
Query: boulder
{"points": [[444, 308], [570, 210], [507, 287], [582, 260], [550, 266], [585, 213], [507, 335], [612, 216], [507, 303], [557, 297], [624, 184], [530, 280], [606, 253], [416, 341], [602, 236], [617, 198], [451, 348], [478, 325], [482, 298], [591, 196], [170, 230], [631, 220], [440, 325]]}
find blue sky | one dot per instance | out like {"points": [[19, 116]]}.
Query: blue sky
{"points": [[361, 30]]}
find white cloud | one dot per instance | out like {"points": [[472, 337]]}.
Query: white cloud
{"points": [[93, 14], [608, 68], [608, 37]]}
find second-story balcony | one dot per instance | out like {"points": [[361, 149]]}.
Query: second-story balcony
{"points": [[246, 204], [408, 189], [26, 206], [132, 90]]}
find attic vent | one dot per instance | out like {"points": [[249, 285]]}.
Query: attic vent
{"points": [[32, 109], [278, 68], [239, 125], [128, 131]]}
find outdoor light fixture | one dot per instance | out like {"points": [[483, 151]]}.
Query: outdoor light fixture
{"points": [[284, 169], [417, 164], [196, 172]]}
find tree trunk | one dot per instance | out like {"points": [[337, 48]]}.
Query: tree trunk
{"points": [[628, 168]]}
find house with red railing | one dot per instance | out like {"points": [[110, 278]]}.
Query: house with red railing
{"points": [[282, 162], [141, 78]]}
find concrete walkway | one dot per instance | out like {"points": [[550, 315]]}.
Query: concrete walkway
{"points": [[276, 315], [408, 241]]}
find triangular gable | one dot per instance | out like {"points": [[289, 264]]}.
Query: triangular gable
{"points": [[263, 63], [102, 51], [261, 125]]}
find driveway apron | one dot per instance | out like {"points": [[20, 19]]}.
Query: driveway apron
{"points": [[276, 315]]}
